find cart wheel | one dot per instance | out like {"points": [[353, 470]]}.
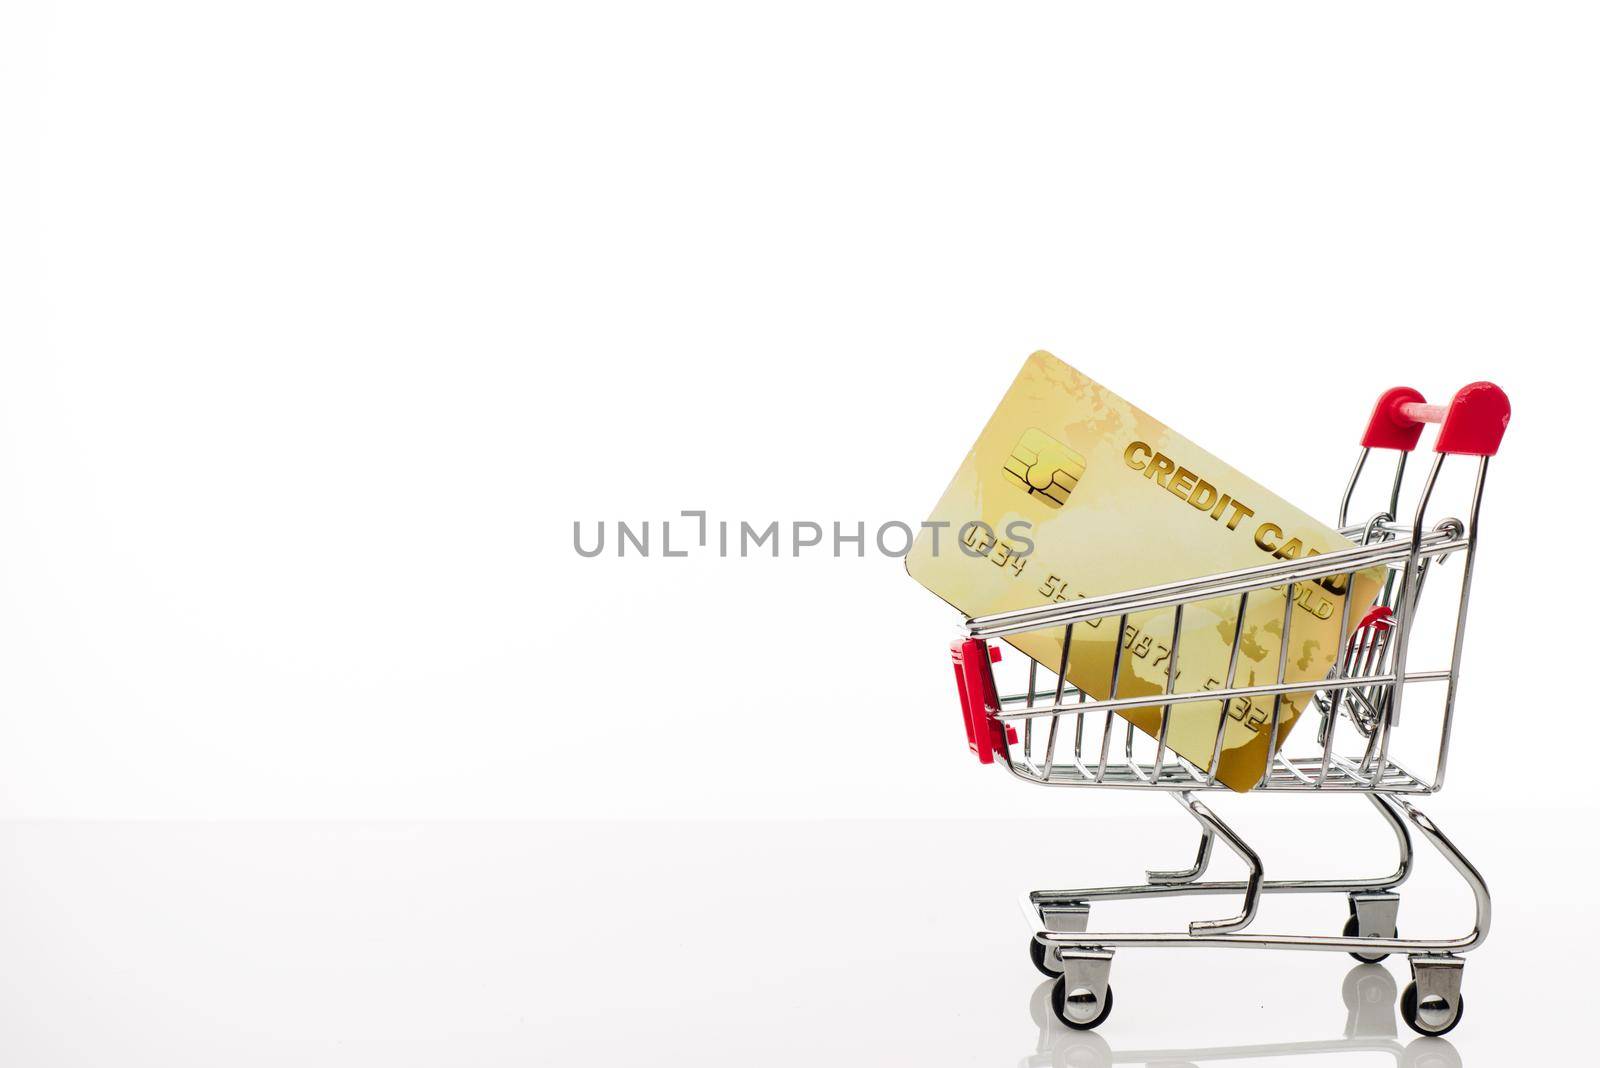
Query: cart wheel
{"points": [[1432, 1019], [1351, 930], [1046, 966], [1058, 1004]]}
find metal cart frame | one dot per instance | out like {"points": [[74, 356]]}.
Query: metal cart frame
{"points": [[1364, 691]]}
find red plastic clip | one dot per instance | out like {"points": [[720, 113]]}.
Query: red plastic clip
{"points": [[1475, 421], [975, 684], [1378, 617], [1391, 428]]}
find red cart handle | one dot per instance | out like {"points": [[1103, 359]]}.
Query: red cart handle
{"points": [[986, 735], [1472, 424]]}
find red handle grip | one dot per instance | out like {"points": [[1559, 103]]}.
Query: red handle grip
{"points": [[1391, 428], [1475, 420], [986, 735], [1472, 424]]}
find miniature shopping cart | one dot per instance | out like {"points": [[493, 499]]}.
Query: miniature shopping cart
{"points": [[1067, 738]]}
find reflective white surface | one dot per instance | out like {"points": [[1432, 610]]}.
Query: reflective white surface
{"points": [[807, 943]]}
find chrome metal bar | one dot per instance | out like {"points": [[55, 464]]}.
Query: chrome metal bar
{"points": [[1394, 781], [1355, 476], [1061, 684], [1461, 623], [1406, 609], [1283, 667], [1283, 763], [1194, 696], [1367, 533], [1252, 884], [1027, 728], [1210, 587], [1399, 479], [1331, 721], [1187, 875], [1116, 678], [1288, 774], [1350, 486], [1215, 763], [1172, 681], [1077, 740]]}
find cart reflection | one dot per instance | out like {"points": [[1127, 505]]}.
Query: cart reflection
{"points": [[1369, 993]]}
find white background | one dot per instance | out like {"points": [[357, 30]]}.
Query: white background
{"points": [[321, 324], [325, 322]]}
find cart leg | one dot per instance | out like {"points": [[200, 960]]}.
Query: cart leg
{"points": [[1067, 917], [1387, 809], [1252, 890], [1432, 1003], [1464, 868], [1396, 819], [1372, 915], [1082, 996], [1191, 873]]}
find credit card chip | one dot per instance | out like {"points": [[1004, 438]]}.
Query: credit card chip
{"points": [[1044, 467]]}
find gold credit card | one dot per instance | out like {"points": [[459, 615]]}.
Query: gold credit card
{"points": [[1072, 492]]}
